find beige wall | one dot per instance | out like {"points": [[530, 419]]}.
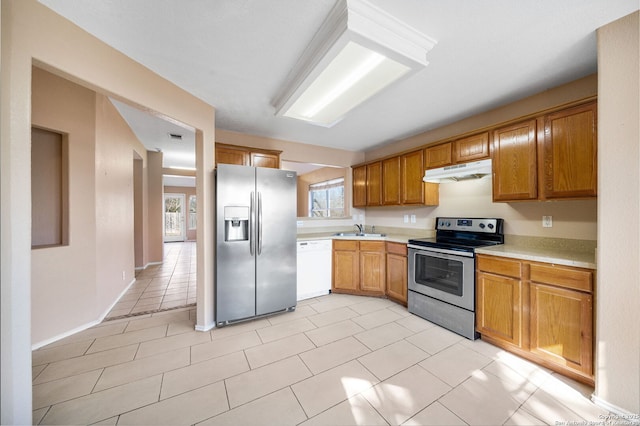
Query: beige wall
{"points": [[580, 89], [33, 34], [571, 219], [303, 153], [115, 258], [293, 151], [618, 290], [187, 191], [321, 175], [62, 277]]}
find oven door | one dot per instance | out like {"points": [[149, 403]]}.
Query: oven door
{"points": [[443, 274]]}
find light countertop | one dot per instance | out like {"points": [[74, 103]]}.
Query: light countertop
{"points": [[395, 238], [577, 253], [558, 256]]}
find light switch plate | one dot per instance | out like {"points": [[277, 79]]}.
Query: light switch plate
{"points": [[413, 218], [406, 218]]}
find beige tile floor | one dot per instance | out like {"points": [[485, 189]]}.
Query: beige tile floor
{"points": [[161, 287], [336, 360]]}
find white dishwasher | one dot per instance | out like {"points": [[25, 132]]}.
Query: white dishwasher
{"points": [[314, 268]]}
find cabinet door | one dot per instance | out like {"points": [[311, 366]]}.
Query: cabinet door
{"points": [[231, 156], [570, 153], [561, 322], [471, 148], [412, 171], [499, 308], [360, 186], [515, 162], [391, 181], [372, 267], [374, 184], [397, 277], [346, 266], [437, 156], [259, 159]]}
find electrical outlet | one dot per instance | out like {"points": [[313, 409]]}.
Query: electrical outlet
{"points": [[547, 221], [413, 218], [406, 218], [300, 223]]}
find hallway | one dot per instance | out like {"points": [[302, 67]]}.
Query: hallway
{"points": [[162, 287]]}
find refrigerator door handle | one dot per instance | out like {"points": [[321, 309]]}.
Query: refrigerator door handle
{"points": [[252, 220], [259, 223]]}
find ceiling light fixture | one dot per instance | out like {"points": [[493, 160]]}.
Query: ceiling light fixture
{"points": [[358, 51]]}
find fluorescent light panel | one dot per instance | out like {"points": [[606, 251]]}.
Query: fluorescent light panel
{"points": [[353, 76], [358, 51]]}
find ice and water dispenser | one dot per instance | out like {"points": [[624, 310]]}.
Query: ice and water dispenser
{"points": [[236, 223]]}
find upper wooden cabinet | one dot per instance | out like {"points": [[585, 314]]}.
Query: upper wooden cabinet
{"points": [[391, 181], [228, 155], [374, 184], [261, 159], [551, 157], [471, 148], [515, 162], [413, 188], [247, 156], [570, 153], [438, 156], [359, 183]]}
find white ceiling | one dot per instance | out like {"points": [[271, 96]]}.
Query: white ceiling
{"points": [[235, 54]]}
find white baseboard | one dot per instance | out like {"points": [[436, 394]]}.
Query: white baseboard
{"points": [[84, 326], [68, 333], [206, 327], [624, 416]]}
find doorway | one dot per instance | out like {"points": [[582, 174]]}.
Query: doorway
{"points": [[174, 223]]}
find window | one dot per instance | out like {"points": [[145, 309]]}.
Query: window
{"points": [[192, 212], [49, 189], [326, 199]]}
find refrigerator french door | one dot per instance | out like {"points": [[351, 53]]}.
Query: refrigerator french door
{"points": [[255, 242]]}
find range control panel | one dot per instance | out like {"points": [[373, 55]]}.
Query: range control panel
{"points": [[486, 225]]}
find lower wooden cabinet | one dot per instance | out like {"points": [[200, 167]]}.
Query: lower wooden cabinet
{"points": [[540, 311], [396, 288], [372, 268], [500, 308], [359, 267]]}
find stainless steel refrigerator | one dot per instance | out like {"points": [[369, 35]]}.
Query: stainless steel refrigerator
{"points": [[255, 242]]}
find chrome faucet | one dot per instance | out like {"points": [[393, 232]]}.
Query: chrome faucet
{"points": [[360, 228]]}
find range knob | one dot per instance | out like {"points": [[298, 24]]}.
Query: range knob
{"points": [[490, 226], [482, 226]]}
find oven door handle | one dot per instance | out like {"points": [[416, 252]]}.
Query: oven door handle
{"points": [[441, 250]]}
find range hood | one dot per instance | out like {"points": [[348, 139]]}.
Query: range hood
{"points": [[458, 172]]}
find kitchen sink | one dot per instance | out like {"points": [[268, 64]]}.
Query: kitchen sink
{"points": [[358, 234]]}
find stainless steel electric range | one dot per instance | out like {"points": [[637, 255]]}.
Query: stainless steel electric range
{"points": [[442, 283]]}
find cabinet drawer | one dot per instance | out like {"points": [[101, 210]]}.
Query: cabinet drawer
{"points": [[372, 246], [576, 279], [348, 245], [397, 248], [510, 268]]}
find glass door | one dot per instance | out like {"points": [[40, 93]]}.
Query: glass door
{"points": [[174, 229]]}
